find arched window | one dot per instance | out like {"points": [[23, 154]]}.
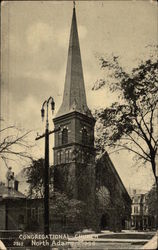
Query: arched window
{"points": [[64, 136], [82, 156], [84, 136], [59, 157], [103, 195], [67, 156], [59, 138]]}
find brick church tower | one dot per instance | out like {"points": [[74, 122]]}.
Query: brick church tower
{"points": [[74, 153]]}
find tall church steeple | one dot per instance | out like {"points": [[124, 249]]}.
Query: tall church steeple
{"points": [[74, 98], [74, 142]]}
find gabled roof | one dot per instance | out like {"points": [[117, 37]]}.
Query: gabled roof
{"points": [[6, 193], [105, 159]]}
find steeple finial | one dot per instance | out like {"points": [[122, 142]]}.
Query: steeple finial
{"points": [[74, 4]]}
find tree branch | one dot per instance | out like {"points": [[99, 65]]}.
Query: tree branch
{"points": [[150, 131], [8, 144], [145, 137], [130, 149], [6, 128], [138, 145]]}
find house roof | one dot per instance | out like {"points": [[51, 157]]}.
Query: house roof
{"points": [[139, 198], [6, 193]]}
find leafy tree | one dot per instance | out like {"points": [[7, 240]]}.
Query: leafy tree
{"points": [[152, 201], [130, 123], [35, 178], [68, 210]]}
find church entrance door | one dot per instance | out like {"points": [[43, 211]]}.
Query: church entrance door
{"points": [[104, 222]]}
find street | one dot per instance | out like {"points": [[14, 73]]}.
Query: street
{"points": [[105, 240], [108, 240], [114, 246]]}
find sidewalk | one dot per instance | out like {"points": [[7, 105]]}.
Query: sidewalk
{"points": [[100, 237], [152, 244]]}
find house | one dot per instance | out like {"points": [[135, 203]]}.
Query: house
{"points": [[140, 218], [12, 208], [17, 212]]}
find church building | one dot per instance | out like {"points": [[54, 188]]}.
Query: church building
{"points": [[74, 152], [78, 175]]}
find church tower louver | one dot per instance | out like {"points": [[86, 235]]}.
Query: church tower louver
{"points": [[74, 153]]}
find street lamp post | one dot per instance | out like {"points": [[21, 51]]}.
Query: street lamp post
{"points": [[46, 175], [46, 167]]}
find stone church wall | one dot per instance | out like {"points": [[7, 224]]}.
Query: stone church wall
{"points": [[118, 211]]}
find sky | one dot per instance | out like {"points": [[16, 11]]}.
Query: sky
{"points": [[35, 36]]}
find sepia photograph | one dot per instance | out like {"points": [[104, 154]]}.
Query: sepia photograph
{"points": [[79, 125]]}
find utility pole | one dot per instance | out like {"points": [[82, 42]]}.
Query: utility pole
{"points": [[46, 167]]}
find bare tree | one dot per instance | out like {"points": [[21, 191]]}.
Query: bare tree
{"points": [[14, 144]]}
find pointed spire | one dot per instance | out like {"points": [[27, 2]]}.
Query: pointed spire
{"points": [[74, 98], [74, 4]]}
